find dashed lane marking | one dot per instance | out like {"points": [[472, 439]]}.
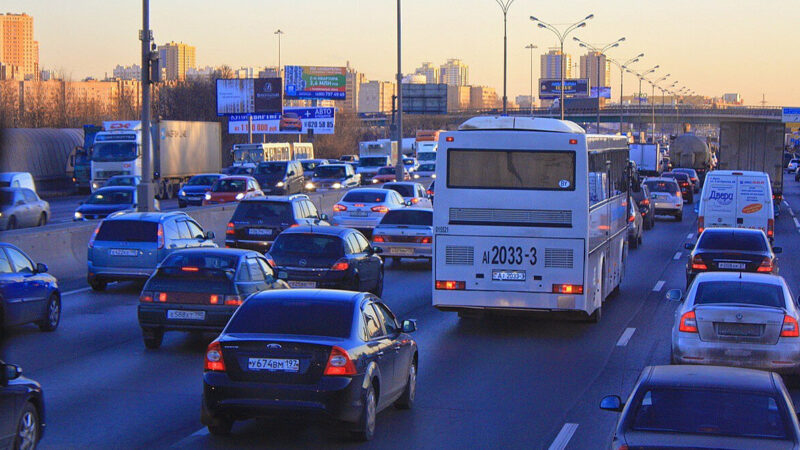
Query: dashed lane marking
{"points": [[791, 211], [76, 291], [626, 336], [796, 222], [677, 256], [561, 441], [659, 285]]}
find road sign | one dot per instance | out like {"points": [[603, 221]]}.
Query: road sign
{"points": [[316, 82], [550, 88], [320, 120], [790, 115], [249, 95]]}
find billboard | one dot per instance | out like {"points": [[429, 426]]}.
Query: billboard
{"points": [[550, 88], [605, 92], [249, 96], [311, 82], [424, 98], [292, 121]]}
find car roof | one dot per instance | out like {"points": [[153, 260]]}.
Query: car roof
{"points": [[694, 377], [216, 251], [369, 190], [148, 216], [237, 177], [747, 277], [404, 183], [751, 173], [318, 229], [733, 231], [330, 295], [116, 188], [659, 179], [207, 174]]}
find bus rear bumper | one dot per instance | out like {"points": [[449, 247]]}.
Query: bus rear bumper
{"points": [[476, 301]]}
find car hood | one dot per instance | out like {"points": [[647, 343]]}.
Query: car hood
{"points": [[87, 208], [328, 180], [196, 189], [268, 178]]}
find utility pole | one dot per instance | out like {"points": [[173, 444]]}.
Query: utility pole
{"points": [[531, 47], [145, 191], [399, 168], [504, 5], [279, 33]]}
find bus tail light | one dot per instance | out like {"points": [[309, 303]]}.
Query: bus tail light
{"points": [[214, 361], [765, 266], [568, 289], [450, 285], [770, 227], [688, 323], [449, 139], [698, 263], [701, 222], [790, 327]]}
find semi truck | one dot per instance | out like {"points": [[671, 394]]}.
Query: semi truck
{"points": [[691, 152], [180, 150], [754, 146], [649, 158], [372, 155], [79, 163]]}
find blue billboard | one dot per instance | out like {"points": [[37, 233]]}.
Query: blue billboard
{"points": [[550, 88], [605, 92]]}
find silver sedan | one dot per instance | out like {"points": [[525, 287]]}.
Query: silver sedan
{"points": [[21, 207], [405, 233], [737, 319]]}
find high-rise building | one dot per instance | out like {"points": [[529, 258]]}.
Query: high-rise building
{"points": [[200, 72], [458, 98], [19, 53], [454, 73], [589, 66], [551, 65], [429, 71], [177, 59], [132, 72], [375, 96], [483, 97], [353, 81]]}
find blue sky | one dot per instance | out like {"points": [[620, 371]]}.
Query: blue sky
{"points": [[711, 46]]}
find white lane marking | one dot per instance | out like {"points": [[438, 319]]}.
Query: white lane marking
{"points": [[796, 222], [185, 441], [658, 286], [626, 336], [561, 441], [690, 235], [786, 203], [677, 256], [76, 291]]}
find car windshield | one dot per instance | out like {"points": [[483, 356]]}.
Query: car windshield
{"points": [[364, 197], [740, 292], [127, 231], [6, 198], [408, 217], [293, 317], [309, 165], [426, 156], [271, 168], [732, 240], [710, 412], [114, 151], [202, 180], [427, 168], [314, 245], [242, 171], [661, 186], [329, 171], [386, 171], [122, 181], [235, 185], [406, 190], [111, 197], [260, 210], [373, 161]]}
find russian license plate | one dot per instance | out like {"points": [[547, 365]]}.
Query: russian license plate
{"points": [[271, 364], [739, 329], [260, 232], [726, 265], [358, 214], [401, 251], [302, 284], [185, 315], [508, 275], [123, 252]]}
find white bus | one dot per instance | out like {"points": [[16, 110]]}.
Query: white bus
{"points": [[530, 215]]}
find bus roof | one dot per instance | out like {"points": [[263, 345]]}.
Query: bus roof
{"points": [[521, 123]]}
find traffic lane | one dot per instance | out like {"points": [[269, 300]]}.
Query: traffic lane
{"points": [[504, 382], [787, 236], [97, 375]]}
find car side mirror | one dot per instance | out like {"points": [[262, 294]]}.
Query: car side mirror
{"points": [[323, 217], [209, 235], [688, 246], [777, 250], [376, 250], [409, 325], [674, 295], [41, 268], [282, 275], [611, 403]]}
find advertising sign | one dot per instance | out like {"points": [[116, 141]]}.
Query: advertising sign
{"points": [[605, 92], [790, 115], [249, 96], [310, 82], [292, 121], [550, 88]]}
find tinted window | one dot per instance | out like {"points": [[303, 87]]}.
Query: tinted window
{"points": [[405, 190], [387, 318], [202, 180], [373, 161], [427, 167], [127, 230], [122, 181], [372, 328], [365, 197], [175, 279], [408, 217], [20, 262], [697, 411], [677, 176], [235, 185], [308, 244], [309, 165], [250, 211], [274, 168], [731, 240], [241, 171], [330, 171], [661, 186], [294, 317], [386, 171], [5, 266], [200, 260], [510, 169], [762, 294], [111, 197]]}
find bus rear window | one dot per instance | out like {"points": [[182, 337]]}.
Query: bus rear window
{"points": [[511, 169]]}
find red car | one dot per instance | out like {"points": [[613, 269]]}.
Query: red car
{"points": [[386, 174], [290, 122], [232, 189]]}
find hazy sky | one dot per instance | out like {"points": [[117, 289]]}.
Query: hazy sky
{"points": [[711, 46]]}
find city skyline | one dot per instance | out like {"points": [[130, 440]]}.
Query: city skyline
{"points": [[322, 33]]}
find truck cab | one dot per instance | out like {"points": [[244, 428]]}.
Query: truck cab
{"points": [[116, 151]]}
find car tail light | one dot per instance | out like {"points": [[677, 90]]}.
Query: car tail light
{"points": [[645, 202], [380, 209], [632, 218], [214, 361], [214, 299], [701, 222], [424, 240], [230, 229], [161, 242], [162, 297], [94, 235], [688, 323], [146, 297], [339, 208], [271, 262], [429, 192], [765, 266], [678, 194], [415, 200], [770, 227], [340, 265], [233, 300], [568, 289], [339, 363], [378, 239], [790, 327], [190, 269], [450, 285], [698, 263]]}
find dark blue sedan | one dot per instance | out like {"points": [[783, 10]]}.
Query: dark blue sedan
{"points": [[27, 292], [337, 355], [106, 201], [193, 191], [21, 409]]}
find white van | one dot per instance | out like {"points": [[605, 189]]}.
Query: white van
{"points": [[737, 198], [17, 179]]}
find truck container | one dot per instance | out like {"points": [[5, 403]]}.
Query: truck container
{"points": [[42, 152], [649, 158], [691, 152], [754, 146]]}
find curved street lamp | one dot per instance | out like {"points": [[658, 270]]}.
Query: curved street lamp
{"points": [[531, 47], [654, 84], [622, 68], [504, 5], [599, 51]]}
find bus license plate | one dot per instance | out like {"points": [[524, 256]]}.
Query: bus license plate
{"points": [[282, 365], [508, 275]]}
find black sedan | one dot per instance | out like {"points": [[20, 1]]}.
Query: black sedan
{"points": [[194, 190], [27, 292], [327, 257], [21, 409], [705, 407], [731, 249], [200, 289], [106, 201], [335, 355]]}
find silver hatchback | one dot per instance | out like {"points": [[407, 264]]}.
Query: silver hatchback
{"points": [[405, 233], [364, 208]]}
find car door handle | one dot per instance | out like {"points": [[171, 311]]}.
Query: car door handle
{"points": [[379, 354], [397, 347]]}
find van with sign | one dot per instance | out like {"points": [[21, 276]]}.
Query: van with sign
{"points": [[739, 199]]}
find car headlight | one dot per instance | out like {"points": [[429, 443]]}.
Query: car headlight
{"points": [[240, 196], [181, 193], [95, 186], [280, 184], [336, 185], [433, 175], [374, 181], [78, 215], [309, 185], [208, 196]]}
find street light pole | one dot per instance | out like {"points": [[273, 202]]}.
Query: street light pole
{"points": [[622, 68], [599, 52], [531, 47], [653, 104], [279, 33], [399, 168], [145, 191], [504, 5], [561, 36]]}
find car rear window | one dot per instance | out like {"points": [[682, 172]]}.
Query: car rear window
{"points": [[386, 171], [404, 190], [200, 260], [308, 244], [364, 197], [202, 180], [677, 176], [661, 186], [732, 240], [251, 211], [407, 217], [293, 317], [128, 231], [739, 292], [710, 412], [235, 185], [111, 197], [176, 279]]}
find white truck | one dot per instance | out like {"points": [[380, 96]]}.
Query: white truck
{"points": [[648, 158], [372, 155], [180, 150]]}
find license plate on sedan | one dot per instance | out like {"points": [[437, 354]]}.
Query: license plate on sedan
{"points": [[302, 284], [731, 266], [123, 252], [271, 364], [186, 315], [259, 232], [508, 275], [401, 251], [358, 214]]}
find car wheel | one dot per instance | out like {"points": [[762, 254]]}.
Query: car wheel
{"points": [[378, 290], [42, 220], [647, 224], [406, 401], [28, 429], [634, 242], [365, 430], [98, 284], [12, 223], [220, 426], [679, 216], [53, 317], [153, 337]]}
